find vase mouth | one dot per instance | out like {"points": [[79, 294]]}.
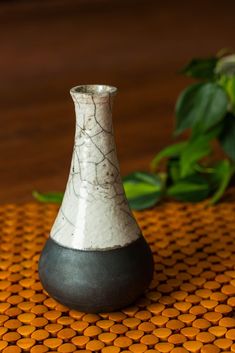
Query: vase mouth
{"points": [[93, 90]]}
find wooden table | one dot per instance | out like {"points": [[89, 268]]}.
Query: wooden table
{"points": [[49, 46], [189, 307]]}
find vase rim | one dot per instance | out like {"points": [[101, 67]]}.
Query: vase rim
{"points": [[93, 90]]}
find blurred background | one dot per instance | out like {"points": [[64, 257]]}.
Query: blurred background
{"points": [[47, 47]]}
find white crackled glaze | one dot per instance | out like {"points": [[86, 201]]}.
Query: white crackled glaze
{"points": [[94, 214]]}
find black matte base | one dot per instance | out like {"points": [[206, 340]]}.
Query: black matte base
{"points": [[96, 281]]}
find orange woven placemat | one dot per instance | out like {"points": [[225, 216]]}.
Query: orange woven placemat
{"points": [[188, 308]]}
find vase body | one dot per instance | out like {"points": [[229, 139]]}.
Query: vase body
{"points": [[96, 258]]}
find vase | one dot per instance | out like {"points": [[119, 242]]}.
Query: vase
{"points": [[96, 258]]}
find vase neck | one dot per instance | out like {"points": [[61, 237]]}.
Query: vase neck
{"points": [[94, 148], [93, 114]]}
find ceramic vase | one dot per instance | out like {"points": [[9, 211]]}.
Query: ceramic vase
{"points": [[96, 258]]}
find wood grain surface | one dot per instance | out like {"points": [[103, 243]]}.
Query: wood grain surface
{"points": [[48, 47]]}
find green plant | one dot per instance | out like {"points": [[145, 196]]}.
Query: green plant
{"points": [[207, 110]]}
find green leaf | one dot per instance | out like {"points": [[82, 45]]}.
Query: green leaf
{"points": [[228, 83], [194, 152], [194, 188], [173, 169], [135, 189], [50, 197], [209, 135], [227, 136], [202, 105], [226, 65], [201, 68], [221, 177], [198, 147], [143, 190], [142, 202], [231, 89], [170, 151], [143, 177], [185, 108]]}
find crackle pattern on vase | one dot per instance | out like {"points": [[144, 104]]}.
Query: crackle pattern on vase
{"points": [[94, 213]]}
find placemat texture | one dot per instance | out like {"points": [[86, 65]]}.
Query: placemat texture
{"points": [[188, 308]]}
